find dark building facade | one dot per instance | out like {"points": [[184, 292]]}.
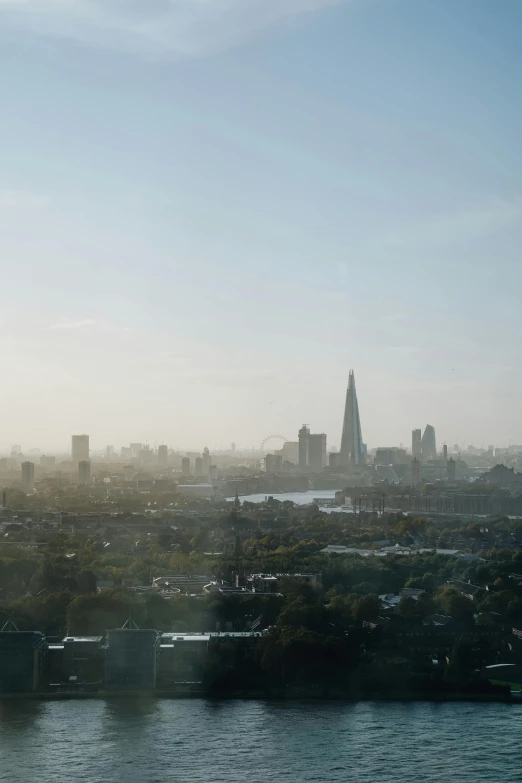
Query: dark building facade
{"points": [[83, 659], [23, 656], [131, 659]]}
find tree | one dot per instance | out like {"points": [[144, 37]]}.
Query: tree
{"points": [[514, 610], [87, 581], [425, 605], [95, 613], [165, 540], [408, 609], [453, 603], [299, 614], [368, 607], [483, 574]]}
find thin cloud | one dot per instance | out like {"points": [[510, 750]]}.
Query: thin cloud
{"points": [[227, 377], [403, 350], [396, 317], [85, 325], [158, 27], [72, 326], [12, 199], [476, 222]]}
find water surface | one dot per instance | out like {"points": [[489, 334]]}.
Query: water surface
{"points": [[299, 498], [198, 741]]}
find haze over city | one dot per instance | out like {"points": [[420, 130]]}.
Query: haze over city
{"points": [[260, 442], [208, 216]]}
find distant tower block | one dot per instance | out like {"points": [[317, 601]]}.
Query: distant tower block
{"points": [[304, 447], [415, 472], [27, 476], [416, 443], [429, 443], [80, 448], [84, 472]]}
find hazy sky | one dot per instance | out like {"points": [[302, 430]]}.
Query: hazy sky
{"points": [[210, 210]]}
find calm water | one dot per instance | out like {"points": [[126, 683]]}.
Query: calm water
{"points": [[300, 498], [258, 742]]}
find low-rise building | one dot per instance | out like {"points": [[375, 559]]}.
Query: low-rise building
{"points": [[83, 659], [23, 656], [186, 583], [182, 658], [131, 658]]}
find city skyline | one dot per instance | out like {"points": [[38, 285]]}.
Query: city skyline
{"points": [[212, 236], [352, 449]]}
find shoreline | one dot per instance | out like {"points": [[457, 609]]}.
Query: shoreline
{"points": [[170, 695]]}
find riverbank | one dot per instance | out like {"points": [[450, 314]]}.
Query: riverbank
{"points": [[277, 696]]}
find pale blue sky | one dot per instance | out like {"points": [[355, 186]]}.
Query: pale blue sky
{"points": [[210, 210]]}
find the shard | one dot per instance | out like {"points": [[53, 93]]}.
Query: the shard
{"points": [[352, 447]]}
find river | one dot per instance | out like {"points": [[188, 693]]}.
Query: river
{"points": [[200, 741], [299, 498]]}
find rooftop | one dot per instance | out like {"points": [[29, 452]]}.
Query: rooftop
{"points": [[93, 639]]}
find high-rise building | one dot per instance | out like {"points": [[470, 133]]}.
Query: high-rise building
{"points": [[79, 448], [126, 452], [198, 466], [290, 452], [146, 456], [273, 463], [185, 466], [333, 459], [416, 443], [429, 444], [317, 459], [27, 476], [136, 448], [451, 470], [415, 472], [84, 472], [163, 455], [206, 461], [48, 463], [390, 455], [304, 447], [352, 447]]}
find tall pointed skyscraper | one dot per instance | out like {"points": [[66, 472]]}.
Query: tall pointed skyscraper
{"points": [[352, 447]]}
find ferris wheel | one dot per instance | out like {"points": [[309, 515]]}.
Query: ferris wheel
{"points": [[272, 437]]}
